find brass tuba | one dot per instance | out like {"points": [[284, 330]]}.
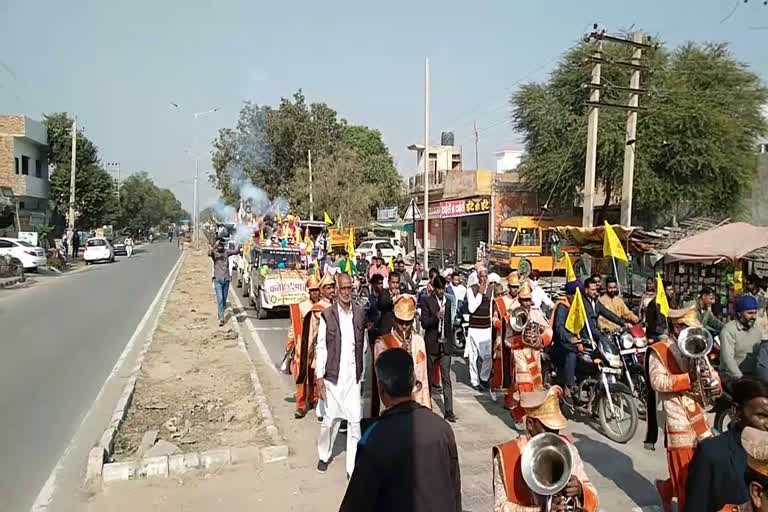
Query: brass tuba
{"points": [[695, 343], [547, 466], [518, 319]]}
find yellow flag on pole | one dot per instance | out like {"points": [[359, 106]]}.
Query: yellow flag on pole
{"points": [[661, 296], [391, 263], [612, 245], [577, 315], [570, 274], [327, 218]]}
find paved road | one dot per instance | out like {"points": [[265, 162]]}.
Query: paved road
{"points": [[623, 474], [60, 338]]}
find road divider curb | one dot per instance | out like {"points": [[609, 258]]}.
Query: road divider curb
{"points": [[5, 283], [101, 452], [256, 339]]}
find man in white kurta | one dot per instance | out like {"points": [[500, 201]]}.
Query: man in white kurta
{"points": [[342, 399], [479, 302]]}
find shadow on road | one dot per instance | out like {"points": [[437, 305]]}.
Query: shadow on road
{"points": [[617, 467]]}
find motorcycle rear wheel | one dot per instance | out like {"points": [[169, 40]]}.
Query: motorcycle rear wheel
{"points": [[621, 429]]}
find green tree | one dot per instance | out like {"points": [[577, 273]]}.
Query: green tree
{"points": [[695, 149], [144, 205], [59, 126], [95, 199], [338, 187], [378, 168]]}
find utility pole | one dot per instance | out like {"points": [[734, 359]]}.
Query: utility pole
{"points": [[631, 142], [311, 201], [72, 176], [425, 159], [474, 125], [196, 214], [587, 215], [594, 103]]}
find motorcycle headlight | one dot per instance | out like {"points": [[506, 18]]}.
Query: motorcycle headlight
{"points": [[640, 342], [627, 341]]}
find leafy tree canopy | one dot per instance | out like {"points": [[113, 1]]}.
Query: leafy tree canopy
{"points": [[95, 199], [144, 205], [268, 149], [695, 138]]}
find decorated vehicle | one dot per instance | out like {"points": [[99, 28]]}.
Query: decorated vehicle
{"points": [[245, 267], [277, 278]]}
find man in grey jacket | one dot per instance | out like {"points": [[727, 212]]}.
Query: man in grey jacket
{"points": [[739, 338]]}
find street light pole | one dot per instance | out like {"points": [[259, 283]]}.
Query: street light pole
{"points": [[72, 177]]}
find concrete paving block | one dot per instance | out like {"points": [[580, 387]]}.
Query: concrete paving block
{"points": [[215, 458], [108, 438], [274, 453], [183, 463], [246, 454], [154, 467], [95, 463], [118, 471]]}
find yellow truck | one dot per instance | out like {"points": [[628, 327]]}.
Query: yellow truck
{"points": [[531, 238]]}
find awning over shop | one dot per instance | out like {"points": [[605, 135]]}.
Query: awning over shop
{"points": [[585, 236], [731, 242]]}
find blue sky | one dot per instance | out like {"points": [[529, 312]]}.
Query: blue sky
{"points": [[117, 65]]}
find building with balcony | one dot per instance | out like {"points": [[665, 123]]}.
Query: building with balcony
{"points": [[24, 167]]}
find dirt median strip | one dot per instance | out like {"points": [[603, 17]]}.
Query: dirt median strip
{"points": [[194, 388]]}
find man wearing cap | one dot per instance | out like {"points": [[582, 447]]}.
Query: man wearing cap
{"points": [[300, 348], [672, 376], [339, 370], [739, 338], [479, 300], [755, 443], [513, 286], [566, 345], [716, 473], [510, 492], [526, 353], [402, 336]]}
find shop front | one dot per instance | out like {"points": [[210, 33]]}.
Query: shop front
{"points": [[456, 228]]}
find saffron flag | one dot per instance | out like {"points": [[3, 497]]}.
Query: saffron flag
{"points": [[327, 218], [577, 315], [661, 296], [570, 274], [612, 245]]}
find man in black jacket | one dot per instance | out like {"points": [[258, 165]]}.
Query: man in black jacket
{"points": [[407, 460], [438, 337], [716, 473]]}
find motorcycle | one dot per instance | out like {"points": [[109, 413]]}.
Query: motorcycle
{"points": [[601, 393], [460, 328], [633, 344]]}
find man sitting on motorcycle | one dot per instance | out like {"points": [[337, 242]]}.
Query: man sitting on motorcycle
{"points": [[614, 303], [567, 346]]}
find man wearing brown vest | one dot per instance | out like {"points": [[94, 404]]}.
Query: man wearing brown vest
{"points": [[339, 369], [479, 297]]}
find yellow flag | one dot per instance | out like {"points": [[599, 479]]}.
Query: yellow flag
{"points": [[661, 296], [351, 244], [391, 263], [612, 245], [298, 235], [577, 315], [327, 218], [570, 274], [261, 234]]}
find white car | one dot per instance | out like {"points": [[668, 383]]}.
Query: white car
{"points": [[98, 249], [30, 256], [385, 246]]}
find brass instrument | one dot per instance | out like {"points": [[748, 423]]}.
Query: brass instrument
{"points": [[530, 331], [695, 343], [547, 466]]}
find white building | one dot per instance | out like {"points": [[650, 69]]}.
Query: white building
{"points": [[442, 159], [508, 158], [24, 167]]}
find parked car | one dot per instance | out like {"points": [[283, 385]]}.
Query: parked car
{"points": [[31, 257], [118, 247], [98, 249], [387, 249]]}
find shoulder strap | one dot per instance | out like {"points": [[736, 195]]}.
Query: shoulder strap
{"points": [[390, 341]]}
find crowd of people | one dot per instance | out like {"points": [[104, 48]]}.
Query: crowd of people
{"points": [[404, 457]]}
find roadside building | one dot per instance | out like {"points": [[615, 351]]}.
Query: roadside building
{"points": [[24, 167]]}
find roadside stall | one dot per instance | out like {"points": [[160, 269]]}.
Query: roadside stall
{"points": [[720, 258]]}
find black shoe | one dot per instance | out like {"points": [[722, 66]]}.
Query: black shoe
{"points": [[322, 467], [299, 414], [221, 323], [486, 385], [478, 388], [451, 418], [343, 426], [319, 419]]}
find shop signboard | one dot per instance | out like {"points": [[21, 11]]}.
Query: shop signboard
{"points": [[386, 214], [460, 208]]}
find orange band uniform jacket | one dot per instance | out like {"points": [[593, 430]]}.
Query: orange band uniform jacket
{"points": [[686, 423], [511, 494], [527, 360]]}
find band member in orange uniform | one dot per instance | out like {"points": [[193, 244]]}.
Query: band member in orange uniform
{"points": [[672, 376], [298, 348], [526, 350], [510, 491]]}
